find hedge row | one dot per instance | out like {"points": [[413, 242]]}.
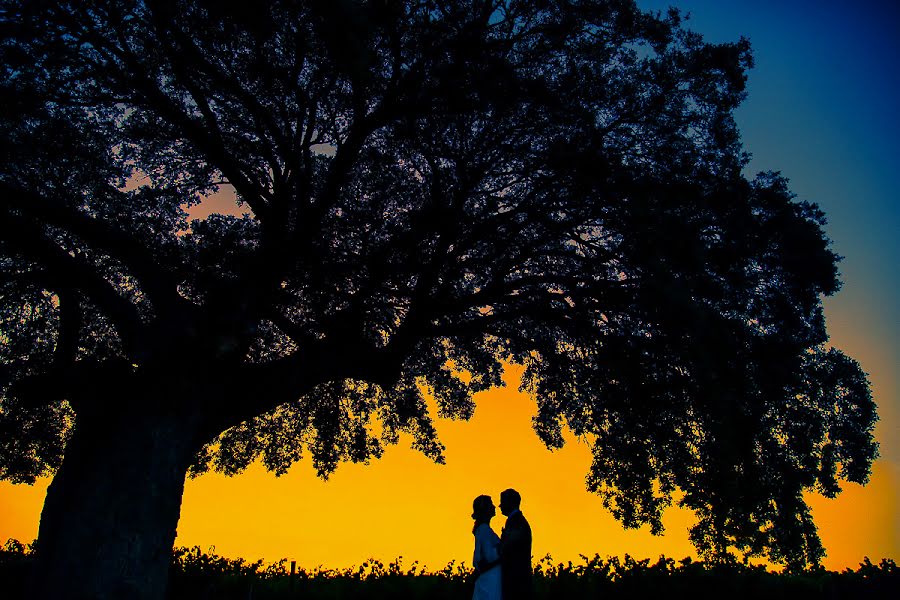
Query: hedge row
{"points": [[197, 575]]}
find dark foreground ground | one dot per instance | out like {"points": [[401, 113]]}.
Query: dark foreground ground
{"points": [[198, 575]]}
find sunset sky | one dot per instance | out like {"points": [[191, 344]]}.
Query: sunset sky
{"points": [[822, 109]]}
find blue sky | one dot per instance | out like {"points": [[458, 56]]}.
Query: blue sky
{"points": [[822, 108]]}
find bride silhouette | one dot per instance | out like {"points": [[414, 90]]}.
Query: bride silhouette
{"points": [[487, 551]]}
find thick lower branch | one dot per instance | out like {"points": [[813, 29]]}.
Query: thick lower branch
{"points": [[82, 383], [251, 390]]}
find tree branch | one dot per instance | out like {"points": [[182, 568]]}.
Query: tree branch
{"points": [[70, 317], [66, 272], [159, 285]]}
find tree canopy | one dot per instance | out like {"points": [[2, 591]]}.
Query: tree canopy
{"points": [[432, 189]]}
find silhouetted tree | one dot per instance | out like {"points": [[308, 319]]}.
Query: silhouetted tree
{"points": [[431, 187]]}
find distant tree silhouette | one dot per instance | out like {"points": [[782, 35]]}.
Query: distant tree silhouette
{"points": [[432, 187]]}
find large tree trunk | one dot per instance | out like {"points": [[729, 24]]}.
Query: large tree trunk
{"points": [[109, 520]]}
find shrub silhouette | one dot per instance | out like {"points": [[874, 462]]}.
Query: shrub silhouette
{"points": [[196, 574]]}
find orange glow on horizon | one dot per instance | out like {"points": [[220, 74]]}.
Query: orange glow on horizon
{"points": [[405, 505]]}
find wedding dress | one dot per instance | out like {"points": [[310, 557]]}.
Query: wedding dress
{"points": [[487, 546]]}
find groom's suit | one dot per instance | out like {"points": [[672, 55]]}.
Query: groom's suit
{"points": [[515, 558]]}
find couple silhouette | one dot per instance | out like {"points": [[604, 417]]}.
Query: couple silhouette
{"points": [[502, 564]]}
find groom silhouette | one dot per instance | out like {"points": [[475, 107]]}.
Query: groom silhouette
{"points": [[515, 549]]}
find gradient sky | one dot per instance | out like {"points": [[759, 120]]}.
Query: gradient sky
{"points": [[822, 110]]}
